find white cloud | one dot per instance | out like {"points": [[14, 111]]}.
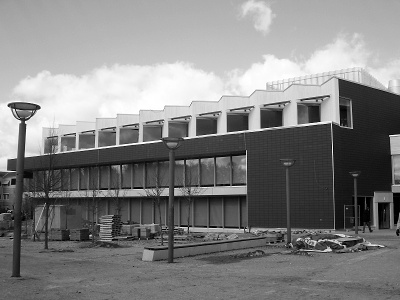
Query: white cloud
{"points": [[106, 91], [261, 13]]}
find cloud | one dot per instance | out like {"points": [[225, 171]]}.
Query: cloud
{"points": [[107, 91], [261, 13]]}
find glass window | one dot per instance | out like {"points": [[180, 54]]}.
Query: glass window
{"points": [[104, 177], [74, 179], [50, 145], [271, 118], [128, 136], [239, 170], [223, 170], [152, 133], [115, 179], [138, 173], [179, 172], [68, 143], [163, 174], [207, 172], [206, 126], [86, 141], [345, 112], [396, 168], [56, 180], [126, 174], [94, 178], [178, 129], [237, 122], [65, 179], [83, 178], [151, 174], [106, 138], [192, 172], [308, 113]]}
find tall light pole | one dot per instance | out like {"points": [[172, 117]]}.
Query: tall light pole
{"points": [[355, 175], [287, 163], [22, 111], [172, 144]]}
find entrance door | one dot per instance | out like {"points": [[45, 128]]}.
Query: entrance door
{"points": [[384, 215]]}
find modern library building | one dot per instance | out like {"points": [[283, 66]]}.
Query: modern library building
{"points": [[330, 124]]}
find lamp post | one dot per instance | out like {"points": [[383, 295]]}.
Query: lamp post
{"points": [[355, 175], [22, 111], [172, 144], [287, 163]]}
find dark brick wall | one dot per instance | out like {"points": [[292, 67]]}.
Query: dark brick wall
{"points": [[310, 177], [366, 148]]}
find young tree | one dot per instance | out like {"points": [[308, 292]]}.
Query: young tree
{"points": [[48, 180]]}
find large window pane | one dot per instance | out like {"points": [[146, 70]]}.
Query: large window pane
{"points": [[307, 113], [83, 178], [128, 136], [68, 143], [86, 141], [239, 170], [65, 179], [152, 133], [345, 112], [237, 122], [223, 170], [51, 145], [207, 172], [104, 177], [115, 179], [151, 174], [271, 118], [126, 174], [206, 126], [396, 168], [178, 129], [138, 175], [192, 172], [179, 172], [94, 178], [74, 179], [107, 138], [163, 174]]}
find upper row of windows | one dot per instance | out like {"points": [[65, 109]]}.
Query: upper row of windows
{"points": [[270, 116], [206, 172]]}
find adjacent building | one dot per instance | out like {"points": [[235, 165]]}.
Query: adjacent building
{"points": [[330, 123]]}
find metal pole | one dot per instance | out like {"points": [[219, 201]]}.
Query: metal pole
{"points": [[355, 206], [289, 229], [18, 200], [171, 206]]}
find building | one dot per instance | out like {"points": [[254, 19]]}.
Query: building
{"points": [[7, 190], [330, 123]]}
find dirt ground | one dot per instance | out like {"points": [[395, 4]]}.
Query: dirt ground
{"points": [[79, 270]]}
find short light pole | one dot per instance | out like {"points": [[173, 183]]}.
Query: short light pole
{"points": [[355, 175], [172, 144], [287, 163], [22, 111]]}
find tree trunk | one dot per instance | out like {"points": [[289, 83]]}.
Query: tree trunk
{"points": [[46, 226], [160, 220], [188, 217]]}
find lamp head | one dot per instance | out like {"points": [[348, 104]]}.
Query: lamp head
{"points": [[23, 111], [355, 174], [287, 162], [172, 143]]}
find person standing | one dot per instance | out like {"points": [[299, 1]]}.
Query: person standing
{"points": [[367, 219], [398, 226]]}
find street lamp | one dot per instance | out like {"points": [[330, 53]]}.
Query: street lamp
{"points": [[22, 111], [172, 144], [287, 163], [355, 175]]}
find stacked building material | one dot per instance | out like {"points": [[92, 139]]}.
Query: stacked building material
{"points": [[110, 227], [59, 234], [79, 234]]}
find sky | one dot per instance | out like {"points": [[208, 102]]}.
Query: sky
{"points": [[85, 59]]}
